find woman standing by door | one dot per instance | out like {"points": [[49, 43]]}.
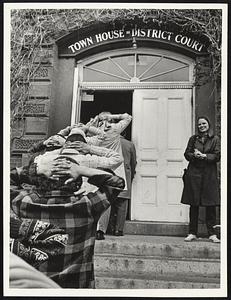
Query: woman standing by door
{"points": [[200, 180]]}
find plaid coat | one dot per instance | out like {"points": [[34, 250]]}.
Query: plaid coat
{"points": [[78, 217]]}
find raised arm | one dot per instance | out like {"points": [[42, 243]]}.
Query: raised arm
{"points": [[109, 186], [125, 120], [96, 157]]}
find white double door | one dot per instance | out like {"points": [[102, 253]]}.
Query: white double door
{"points": [[162, 124]]}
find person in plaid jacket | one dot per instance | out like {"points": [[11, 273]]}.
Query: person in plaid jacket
{"points": [[56, 200]]}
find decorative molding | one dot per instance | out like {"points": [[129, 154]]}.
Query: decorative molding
{"points": [[132, 86], [23, 144], [39, 108], [43, 73]]}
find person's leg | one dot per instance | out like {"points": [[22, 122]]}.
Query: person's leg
{"points": [[112, 220], [211, 219], [193, 219], [103, 223], [122, 206]]}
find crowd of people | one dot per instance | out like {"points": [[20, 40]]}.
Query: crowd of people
{"points": [[75, 183], [61, 199]]}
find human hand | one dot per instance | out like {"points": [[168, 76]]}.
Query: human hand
{"points": [[199, 154], [45, 163], [65, 131], [81, 126], [63, 167], [54, 140], [79, 146], [202, 156], [93, 121]]}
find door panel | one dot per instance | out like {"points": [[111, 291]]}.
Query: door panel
{"points": [[161, 128]]}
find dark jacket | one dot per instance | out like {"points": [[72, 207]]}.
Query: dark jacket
{"points": [[201, 183], [129, 155]]}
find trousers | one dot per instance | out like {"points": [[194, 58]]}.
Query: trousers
{"points": [[104, 220], [210, 219], [121, 207]]}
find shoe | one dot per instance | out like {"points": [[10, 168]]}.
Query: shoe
{"points": [[100, 235], [119, 233], [190, 238], [214, 238]]}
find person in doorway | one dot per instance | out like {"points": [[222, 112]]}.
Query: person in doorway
{"points": [[201, 182], [120, 206], [54, 200], [105, 130]]}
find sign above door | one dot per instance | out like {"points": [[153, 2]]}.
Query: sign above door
{"points": [[133, 36]]}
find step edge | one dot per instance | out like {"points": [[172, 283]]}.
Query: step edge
{"points": [[156, 257], [186, 279]]}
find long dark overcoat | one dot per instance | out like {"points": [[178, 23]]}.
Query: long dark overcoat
{"points": [[201, 183], [129, 155]]}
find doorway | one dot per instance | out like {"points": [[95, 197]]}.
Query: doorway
{"points": [[116, 102], [155, 87]]}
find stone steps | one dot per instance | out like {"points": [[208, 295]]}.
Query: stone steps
{"points": [[158, 246], [127, 281], [156, 262], [159, 265]]}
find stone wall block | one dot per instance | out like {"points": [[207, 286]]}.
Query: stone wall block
{"points": [[15, 161], [18, 128], [36, 126], [25, 159], [44, 56], [40, 90]]}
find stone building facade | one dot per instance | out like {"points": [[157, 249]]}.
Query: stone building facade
{"points": [[153, 71]]}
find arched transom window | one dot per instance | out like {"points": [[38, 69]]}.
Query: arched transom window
{"points": [[136, 68]]}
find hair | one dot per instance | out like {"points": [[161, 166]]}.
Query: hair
{"points": [[210, 131], [44, 184], [105, 113]]}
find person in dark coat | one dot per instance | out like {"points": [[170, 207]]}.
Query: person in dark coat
{"points": [[200, 181], [120, 206]]}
